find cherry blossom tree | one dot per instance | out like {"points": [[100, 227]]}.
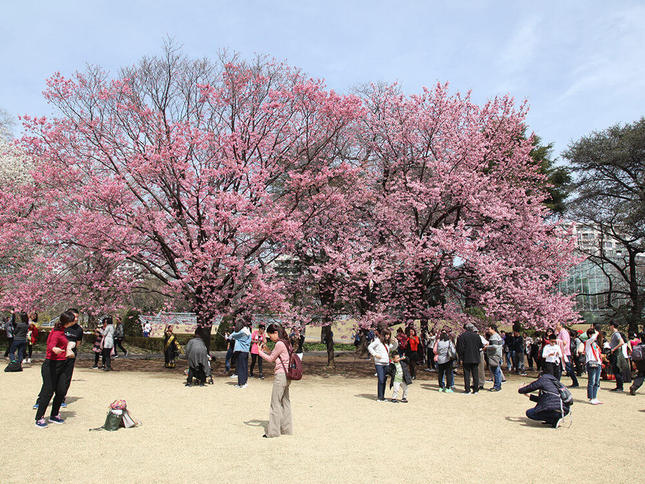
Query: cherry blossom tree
{"points": [[459, 212], [244, 187], [194, 173]]}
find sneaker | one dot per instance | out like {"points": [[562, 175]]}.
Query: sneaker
{"points": [[449, 390], [233, 376], [29, 360], [494, 389], [56, 420], [557, 423], [261, 377], [40, 423], [616, 390], [475, 393], [467, 392], [404, 400], [595, 401], [63, 405], [632, 390], [380, 400], [116, 356], [35, 406], [241, 386], [95, 367], [441, 390], [394, 400]]}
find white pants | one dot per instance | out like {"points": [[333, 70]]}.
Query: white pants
{"points": [[398, 385]]}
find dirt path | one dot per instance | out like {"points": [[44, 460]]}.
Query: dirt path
{"points": [[213, 433]]}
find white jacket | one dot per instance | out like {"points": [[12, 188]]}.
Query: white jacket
{"points": [[108, 336], [381, 352]]}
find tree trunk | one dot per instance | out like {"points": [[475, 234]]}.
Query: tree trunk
{"points": [[327, 338]]}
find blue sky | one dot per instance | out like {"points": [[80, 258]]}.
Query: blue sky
{"points": [[581, 65]]}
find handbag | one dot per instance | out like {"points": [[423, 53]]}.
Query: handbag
{"points": [[452, 352]]}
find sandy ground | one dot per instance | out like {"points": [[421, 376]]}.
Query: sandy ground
{"points": [[213, 433]]}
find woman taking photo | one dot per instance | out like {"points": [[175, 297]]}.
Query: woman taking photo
{"points": [[52, 372], [380, 349], [280, 421]]}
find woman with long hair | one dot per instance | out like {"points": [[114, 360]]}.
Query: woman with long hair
{"points": [[52, 371], [380, 350], [280, 420], [108, 342]]}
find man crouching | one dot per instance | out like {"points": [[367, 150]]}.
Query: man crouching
{"points": [[550, 408]]}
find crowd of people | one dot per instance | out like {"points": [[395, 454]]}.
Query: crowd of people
{"points": [[552, 353], [483, 355]]}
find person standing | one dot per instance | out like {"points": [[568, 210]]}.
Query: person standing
{"points": [[443, 349], [380, 350], [108, 343], [74, 335], [280, 419], [258, 337], [52, 372], [32, 335], [9, 327], [616, 344], [639, 363], [593, 355], [564, 339], [97, 348], [553, 357], [468, 346], [19, 344], [494, 350], [412, 351], [119, 336], [171, 347], [242, 338]]}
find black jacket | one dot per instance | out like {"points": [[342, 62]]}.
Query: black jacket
{"points": [[391, 370], [468, 345], [549, 396]]}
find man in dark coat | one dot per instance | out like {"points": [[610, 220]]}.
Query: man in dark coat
{"points": [[550, 408], [468, 345]]}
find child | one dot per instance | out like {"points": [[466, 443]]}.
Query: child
{"points": [[553, 357], [401, 378]]}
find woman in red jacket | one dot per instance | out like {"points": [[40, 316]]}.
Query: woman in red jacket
{"points": [[412, 351], [52, 371]]}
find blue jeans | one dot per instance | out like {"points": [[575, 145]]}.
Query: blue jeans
{"points": [[446, 369], [571, 372], [593, 373], [242, 367], [497, 376], [381, 373], [229, 355], [20, 347]]}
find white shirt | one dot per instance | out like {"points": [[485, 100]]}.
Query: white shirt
{"points": [[381, 352], [592, 352], [552, 354]]}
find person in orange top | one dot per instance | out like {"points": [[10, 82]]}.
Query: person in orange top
{"points": [[412, 351]]}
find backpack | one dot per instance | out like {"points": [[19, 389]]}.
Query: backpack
{"points": [[638, 353], [13, 366], [565, 395], [294, 370]]}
